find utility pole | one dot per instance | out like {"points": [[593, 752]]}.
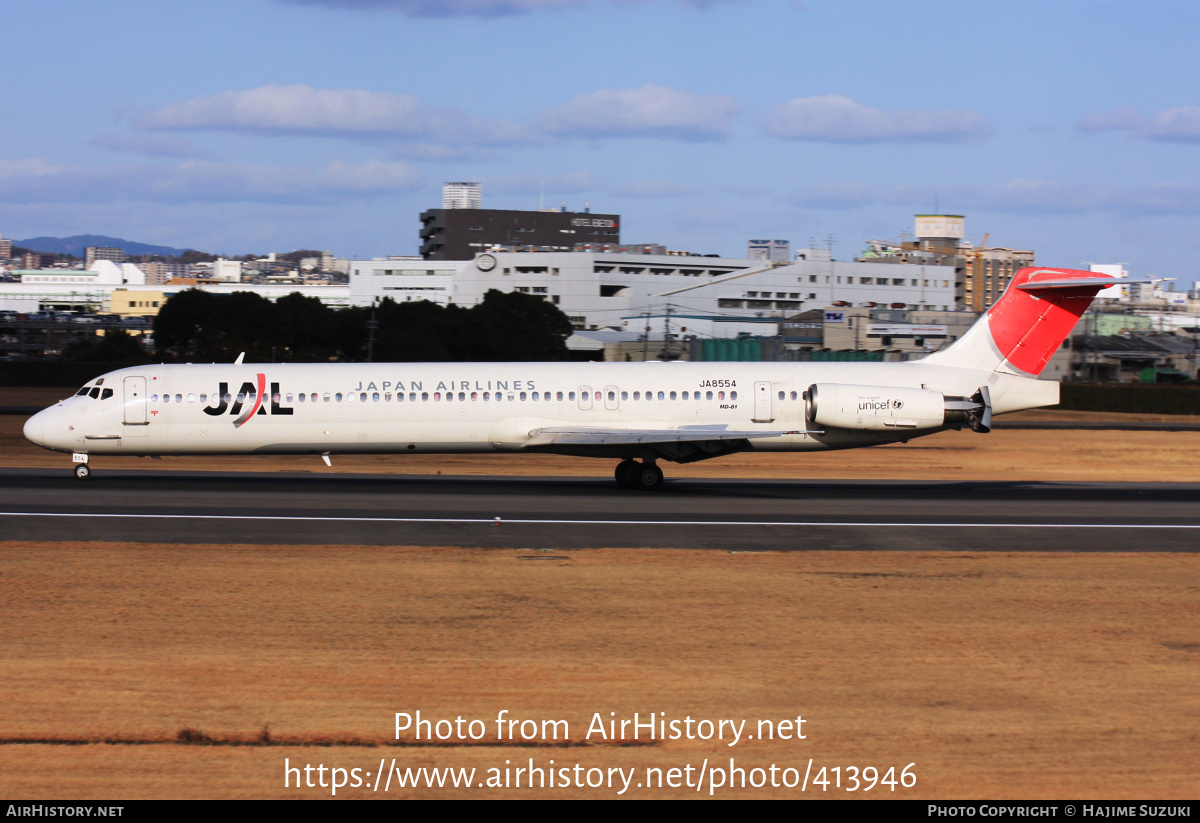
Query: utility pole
{"points": [[372, 325]]}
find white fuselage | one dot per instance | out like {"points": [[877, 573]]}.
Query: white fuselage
{"points": [[479, 407]]}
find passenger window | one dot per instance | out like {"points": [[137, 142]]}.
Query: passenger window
{"points": [[685, 395], [437, 395], [660, 395], [228, 398], [612, 395], [326, 397], [793, 395], [374, 397], [511, 397], [192, 398], [412, 397], [203, 398], [289, 398], [522, 395], [424, 397], [781, 396], [624, 395], [672, 395], [241, 397], [535, 395], [733, 395], [338, 396], [637, 395], [154, 398], [558, 396], [462, 395], [570, 395], [720, 395], [474, 395], [708, 395], [487, 395], [302, 398], [350, 398]]}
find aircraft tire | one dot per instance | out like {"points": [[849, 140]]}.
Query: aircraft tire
{"points": [[83, 472], [626, 474], [649, 477]]}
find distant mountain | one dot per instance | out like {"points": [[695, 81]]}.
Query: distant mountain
{"points": [[76, 244]]}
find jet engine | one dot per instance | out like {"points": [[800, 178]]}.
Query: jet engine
{"points": [[874, 408]]}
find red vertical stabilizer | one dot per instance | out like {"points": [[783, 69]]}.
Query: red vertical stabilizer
{"points": [[1038, 310]]}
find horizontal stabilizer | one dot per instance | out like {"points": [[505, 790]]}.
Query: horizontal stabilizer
{"points": [[1077, 283]]}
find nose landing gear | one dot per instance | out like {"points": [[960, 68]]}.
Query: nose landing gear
{"points": [[82, 471], [645, 476]]}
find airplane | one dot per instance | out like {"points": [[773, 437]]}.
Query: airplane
{"points": [[635, 413]]}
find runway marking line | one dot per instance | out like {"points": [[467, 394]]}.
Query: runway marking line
{"points": [[492, 521]]}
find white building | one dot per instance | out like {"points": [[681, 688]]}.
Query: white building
{"points": [[462, 196], [227, 271], [710, 296]]}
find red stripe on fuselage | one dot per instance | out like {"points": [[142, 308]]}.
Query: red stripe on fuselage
{"points": [[262, 387]]}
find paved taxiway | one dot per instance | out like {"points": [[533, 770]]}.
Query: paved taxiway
{"points": [[573, 513]]}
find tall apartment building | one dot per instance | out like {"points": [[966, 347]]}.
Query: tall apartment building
{"points": [[462, 196], [93, 253], [5, 249], [981, 272]]}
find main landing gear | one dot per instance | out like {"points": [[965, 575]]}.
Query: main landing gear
{"points": [[642, 476]]}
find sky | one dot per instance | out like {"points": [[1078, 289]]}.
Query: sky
{"points": [[250, 126]]}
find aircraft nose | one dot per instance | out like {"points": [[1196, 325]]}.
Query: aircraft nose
{"points": [[35, 428]]}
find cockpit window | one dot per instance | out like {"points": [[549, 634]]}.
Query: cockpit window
{"points": [[94, 393], [107, 393], [83, 391]]}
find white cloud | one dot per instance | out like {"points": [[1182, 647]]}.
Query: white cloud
{"points": [[478, 8], [1180, 124], [38, 181], [832, 118], [152, 145], [303, 110], [655, 188], [1120, 118], [1019, 196], [651, 111], [553, 185]]}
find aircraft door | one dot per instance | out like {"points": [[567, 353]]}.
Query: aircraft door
{"points": [[135, 401], [585, 397], [762, 402], [611, 397]]}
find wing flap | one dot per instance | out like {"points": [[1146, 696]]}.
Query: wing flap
{"points": [[595, 436]]}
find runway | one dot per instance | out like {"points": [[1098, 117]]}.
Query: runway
{"points": [[551, 514]]}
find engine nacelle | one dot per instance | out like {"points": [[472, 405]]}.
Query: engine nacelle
{"points": [[874, 408]]}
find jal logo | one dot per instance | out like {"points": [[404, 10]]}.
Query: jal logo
{"points": [[255, 394]]}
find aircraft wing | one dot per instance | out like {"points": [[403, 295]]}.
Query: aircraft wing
{"points": [[597, 436]]}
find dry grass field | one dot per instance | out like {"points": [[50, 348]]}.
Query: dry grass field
{"points": [[1018, 676], [134, 670]]}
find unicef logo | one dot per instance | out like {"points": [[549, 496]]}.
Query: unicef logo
{"points": [[897, 404]]}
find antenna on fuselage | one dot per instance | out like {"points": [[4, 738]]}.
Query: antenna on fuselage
{"points": [[241, 357]]}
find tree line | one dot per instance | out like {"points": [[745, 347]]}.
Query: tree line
{"points": [[198, 326]]}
